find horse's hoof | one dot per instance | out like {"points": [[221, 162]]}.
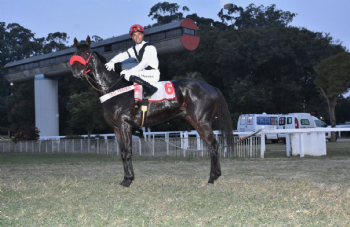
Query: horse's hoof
{"points": [[126, 182], [211, 180]]}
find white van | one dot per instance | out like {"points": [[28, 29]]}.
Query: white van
{"points": [[294, 121], [254, 122], [321, 124]]}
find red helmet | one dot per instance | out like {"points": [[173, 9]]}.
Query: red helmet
{"points": [[136, 27]]}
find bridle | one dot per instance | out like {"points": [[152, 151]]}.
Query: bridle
{"points": [[81, 60]]}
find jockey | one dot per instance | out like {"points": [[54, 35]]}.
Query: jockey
{"points": [[147, 70]]}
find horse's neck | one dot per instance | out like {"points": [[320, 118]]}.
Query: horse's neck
{"points": [[104, 78]]}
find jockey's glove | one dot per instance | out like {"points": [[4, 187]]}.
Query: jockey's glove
{"points": [[110, 65]]}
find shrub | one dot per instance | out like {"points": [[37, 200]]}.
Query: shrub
{"points": [[26, 133]]}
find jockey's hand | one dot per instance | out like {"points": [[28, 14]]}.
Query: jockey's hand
{"points": [[110, 66]]}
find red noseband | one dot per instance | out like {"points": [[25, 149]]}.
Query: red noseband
{"points": [[77, 58]]}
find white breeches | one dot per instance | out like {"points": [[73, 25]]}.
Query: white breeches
{"points": [[151, 76]]}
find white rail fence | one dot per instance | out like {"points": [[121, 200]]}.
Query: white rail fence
{"points": [[298, 142], [156, 147]]}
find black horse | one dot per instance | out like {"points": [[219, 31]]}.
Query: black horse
{"points": [[198, 102]]}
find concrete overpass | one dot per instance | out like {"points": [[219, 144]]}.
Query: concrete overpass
{"points": [[44, 69]]}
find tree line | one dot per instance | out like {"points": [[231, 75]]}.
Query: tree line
{"points": [[252, 54]]}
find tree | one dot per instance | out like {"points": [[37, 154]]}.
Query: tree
{"points": [[96, 38], [16, 43], [85, 110], [21, 105], [165, 12], [254, 16], [26, 133], [200, 21], [261, 66], [333, 80], [55, 42]]}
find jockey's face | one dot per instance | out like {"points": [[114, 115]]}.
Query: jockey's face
{"points": [[137, 37]]}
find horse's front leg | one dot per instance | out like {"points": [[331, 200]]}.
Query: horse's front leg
{"points": [[124, 136]]}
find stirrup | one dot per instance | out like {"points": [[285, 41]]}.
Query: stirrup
{"points": [[144, 108]]}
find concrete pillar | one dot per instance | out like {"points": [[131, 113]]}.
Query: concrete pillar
{"points": [[46, 105]]}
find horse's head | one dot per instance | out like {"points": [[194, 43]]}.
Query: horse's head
{"points": [[81, 61]]}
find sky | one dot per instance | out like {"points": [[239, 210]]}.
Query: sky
{"points": [[111, 18]]}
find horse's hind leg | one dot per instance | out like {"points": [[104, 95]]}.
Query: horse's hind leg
{"points": [[206, 133]]}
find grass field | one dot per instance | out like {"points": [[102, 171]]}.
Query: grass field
{"points": [[83, 190]]}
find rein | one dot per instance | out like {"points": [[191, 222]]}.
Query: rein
{"points": [[87, 78]]}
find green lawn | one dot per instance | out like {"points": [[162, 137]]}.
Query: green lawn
{"points": [[83, 190]]}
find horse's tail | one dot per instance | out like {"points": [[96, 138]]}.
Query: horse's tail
{"points": [[224, 118]]}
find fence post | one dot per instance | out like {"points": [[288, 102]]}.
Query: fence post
{"points": [[89, 146], [140, 147], [199, 143], [167, 143], [217, 139], [288, 144], [106, 141], [185, 143], [301, 145], [225, 148], [153, 145], [250, 147], [98, 145], [262, 147]]}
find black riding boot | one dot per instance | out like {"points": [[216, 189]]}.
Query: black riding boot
{"points": [[149, 90]]}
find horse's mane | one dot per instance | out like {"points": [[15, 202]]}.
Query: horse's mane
{"points": [[102, 59]]}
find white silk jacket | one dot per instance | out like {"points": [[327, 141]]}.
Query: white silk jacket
{"points": [[149, 57]]}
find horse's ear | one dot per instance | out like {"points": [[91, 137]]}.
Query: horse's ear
{"points": [[88, 40], [76, 43]]}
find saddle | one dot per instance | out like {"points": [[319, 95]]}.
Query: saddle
{"points": [[165, 91]]}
